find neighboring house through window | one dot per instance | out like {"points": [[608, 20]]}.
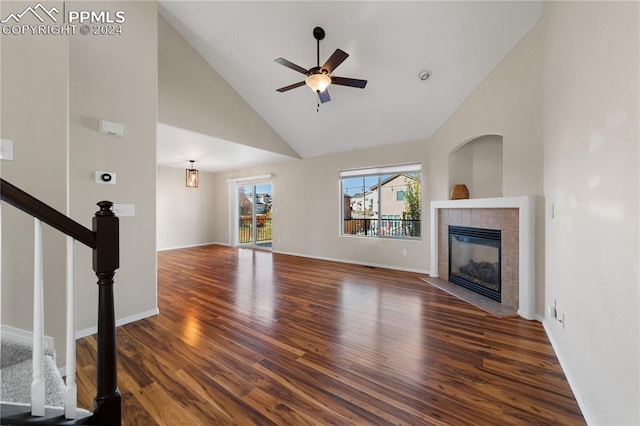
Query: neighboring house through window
{"points": [[383, 201]]}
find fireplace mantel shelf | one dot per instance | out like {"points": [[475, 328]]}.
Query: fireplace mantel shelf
{"points": [[526, 212]]}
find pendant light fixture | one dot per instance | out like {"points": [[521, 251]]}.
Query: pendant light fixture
{"points": [[192, 176]]}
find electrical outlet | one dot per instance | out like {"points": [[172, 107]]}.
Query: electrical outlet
{"points": [[405, 252]]}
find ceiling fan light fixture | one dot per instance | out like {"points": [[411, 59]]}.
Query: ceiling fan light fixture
{"points": [[318, 82]]}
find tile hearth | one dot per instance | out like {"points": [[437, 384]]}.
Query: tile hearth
{"points": [[491, 306]]}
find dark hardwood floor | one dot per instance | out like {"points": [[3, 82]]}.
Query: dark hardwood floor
{"points": [[249, 337]]}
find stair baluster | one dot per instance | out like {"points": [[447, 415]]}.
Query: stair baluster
{"points": [[37, 383], [71, 392]]}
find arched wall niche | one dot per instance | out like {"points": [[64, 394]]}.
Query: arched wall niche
{"points": [[477, 163]]}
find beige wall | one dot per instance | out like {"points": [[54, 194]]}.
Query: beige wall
{"points": [[115, 78], [34, 84], [306, 192], [185, 215], [507, 103], [193, 96], [54, 91], [591, 163], [478, 164], [389, 197], [306, 195]]}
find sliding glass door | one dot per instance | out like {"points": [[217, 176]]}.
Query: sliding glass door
{"points": [[254, 215]]}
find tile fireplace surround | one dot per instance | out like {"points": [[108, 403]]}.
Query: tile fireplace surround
{"points": [[475, 213]]}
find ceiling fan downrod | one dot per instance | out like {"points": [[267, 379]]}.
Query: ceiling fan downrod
{"points": [[318, 34]]}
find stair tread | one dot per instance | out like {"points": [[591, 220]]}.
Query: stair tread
{"points": [[16, 382]]}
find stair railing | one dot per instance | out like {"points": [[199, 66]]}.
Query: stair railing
{"points": [[104, 240]]}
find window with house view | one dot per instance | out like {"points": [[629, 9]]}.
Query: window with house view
{"points": [[382, 201]]}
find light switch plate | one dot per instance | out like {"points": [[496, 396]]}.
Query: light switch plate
{"points": [[6, 149], [124, 209]]}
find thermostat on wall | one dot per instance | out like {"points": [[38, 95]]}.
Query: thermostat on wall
{"points": [[106, 177]]}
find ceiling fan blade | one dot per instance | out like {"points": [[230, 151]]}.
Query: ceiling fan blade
{"points": [[291, 65], [351, 82], [324, 96], [291, 86], [334, 60]]}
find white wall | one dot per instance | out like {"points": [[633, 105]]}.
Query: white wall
{"points": [[185, 215], [591, 163]]}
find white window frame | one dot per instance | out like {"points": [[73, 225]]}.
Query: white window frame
{"points": [[378, 172]]}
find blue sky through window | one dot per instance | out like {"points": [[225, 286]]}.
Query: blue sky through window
{"points": [[358, 185]]}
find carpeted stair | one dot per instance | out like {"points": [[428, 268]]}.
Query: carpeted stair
{"points": [[16, 374]]}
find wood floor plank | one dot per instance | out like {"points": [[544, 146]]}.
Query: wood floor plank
{"points": [[249, 337]]}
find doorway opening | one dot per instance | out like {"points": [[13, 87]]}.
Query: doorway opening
{"points": [[254, 216]]}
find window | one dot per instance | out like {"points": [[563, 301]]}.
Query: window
{"points": [[382, 202]]}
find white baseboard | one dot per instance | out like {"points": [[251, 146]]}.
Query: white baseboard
{"points": [[188, 246], [353, 262], [586, 413], [24, 336], [122, 321]]}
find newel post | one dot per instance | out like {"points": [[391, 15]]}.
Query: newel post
{"points": [[106, 259]]}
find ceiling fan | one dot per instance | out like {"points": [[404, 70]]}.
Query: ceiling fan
{"points": [[319, 77]]}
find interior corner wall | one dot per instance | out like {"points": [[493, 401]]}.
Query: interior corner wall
{"points": [[33, 113], [591, 178], [186, 215], [115, 78], [193, 96]]}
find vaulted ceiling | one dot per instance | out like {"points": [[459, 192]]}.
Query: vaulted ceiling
{"points": [[389, 44]]}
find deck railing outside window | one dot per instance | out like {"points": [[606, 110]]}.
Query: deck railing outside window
{"points": [[388, 227]]}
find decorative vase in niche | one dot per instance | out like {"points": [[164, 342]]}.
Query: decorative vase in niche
{"points": [[459, 192]]}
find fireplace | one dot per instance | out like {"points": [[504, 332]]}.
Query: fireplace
{"points": [[475, 259]]}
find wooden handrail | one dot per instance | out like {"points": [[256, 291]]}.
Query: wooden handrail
{"points": [[105, 242], [36, 208]]}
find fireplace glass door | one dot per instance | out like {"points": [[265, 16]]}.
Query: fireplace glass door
{"points": [[474, 259]]}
